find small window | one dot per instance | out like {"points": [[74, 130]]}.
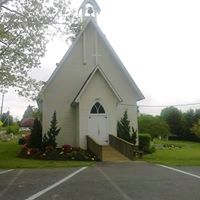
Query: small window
{"points": [[97, 109]]}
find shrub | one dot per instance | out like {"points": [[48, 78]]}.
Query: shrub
{"points": [[22, 141], [13, 129], [123, 128], [36, 135], [49, 138], [145, 142], [67, 148], [152, 149]]}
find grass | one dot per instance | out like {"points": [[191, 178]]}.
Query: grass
{"points": [[187, 155], [9, 159]]}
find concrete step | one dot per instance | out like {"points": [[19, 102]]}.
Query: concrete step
{"points": [[111, 154]]}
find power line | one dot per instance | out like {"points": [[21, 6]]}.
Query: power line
{"points": [[161, 106]]}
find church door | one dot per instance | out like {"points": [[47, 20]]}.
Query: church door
{"points": [[97, 124]]}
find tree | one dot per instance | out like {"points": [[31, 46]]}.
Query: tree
{"points": [[37, 113], [25, 29], [28, 113], [196, 115], [123, 127], [174, 119], [196, 129], [32, 112], [36, 135], [154, 126], [188, 121], [49, 138], [7, 119]]}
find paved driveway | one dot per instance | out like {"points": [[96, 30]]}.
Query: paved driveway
{"points": [[117, 181]]}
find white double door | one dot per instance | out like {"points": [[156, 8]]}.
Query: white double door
{"points": [[97, 128]]}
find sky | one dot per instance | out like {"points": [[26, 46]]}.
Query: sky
{"points": [[158, 42]]}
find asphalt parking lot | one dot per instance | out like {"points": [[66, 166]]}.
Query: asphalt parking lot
{"points": [[117, 181]]}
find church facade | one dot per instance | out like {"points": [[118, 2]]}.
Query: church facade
{"points": [[90, 89]]}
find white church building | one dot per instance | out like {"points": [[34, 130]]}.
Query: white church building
{"points": [[90, 89]]}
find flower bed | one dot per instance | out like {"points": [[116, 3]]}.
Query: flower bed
{"points": [[66, 153]]}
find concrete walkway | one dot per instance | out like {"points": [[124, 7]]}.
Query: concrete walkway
{"points": [[112, 155]]}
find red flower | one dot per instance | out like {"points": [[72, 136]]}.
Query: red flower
{"points": [[66, 147]]}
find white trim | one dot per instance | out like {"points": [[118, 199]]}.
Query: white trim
{"points": [[76, 100]]}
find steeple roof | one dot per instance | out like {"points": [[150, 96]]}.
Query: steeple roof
{"points": [[89, 8]]}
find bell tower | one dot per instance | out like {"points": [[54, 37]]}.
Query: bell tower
{"points": [[89, 8]]}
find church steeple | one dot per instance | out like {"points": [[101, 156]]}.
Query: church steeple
{"points": [[89, 8]]}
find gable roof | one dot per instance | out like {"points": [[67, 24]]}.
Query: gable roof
{"points": [[140, 96], [83, 88]]}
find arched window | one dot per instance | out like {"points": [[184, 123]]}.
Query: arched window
{"points": [[97, 109]]}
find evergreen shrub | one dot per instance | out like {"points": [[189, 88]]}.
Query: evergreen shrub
{"points": [[35, 140], [145, 142], [125, 131], [49, 138]]}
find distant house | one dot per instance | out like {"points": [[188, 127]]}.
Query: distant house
{"points": [[90, 89], [26, 123]]}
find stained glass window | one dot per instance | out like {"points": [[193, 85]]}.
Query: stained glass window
{"points": [[97, 109]]}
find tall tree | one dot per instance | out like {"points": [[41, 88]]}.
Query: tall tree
{"points": [[174, 119], [28, 113], [196, 115], [6, 119], [188, 121], [153, 125], [196, 129], [32, 112], [25, 28]]}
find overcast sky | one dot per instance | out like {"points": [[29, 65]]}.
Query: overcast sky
{"points": [[157, 40]]}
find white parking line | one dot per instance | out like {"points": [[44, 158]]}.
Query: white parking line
{"points": [[180, 171], [35, 196], [6, 171]]}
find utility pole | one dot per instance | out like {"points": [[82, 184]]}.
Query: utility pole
{"points": [[2, 100]]}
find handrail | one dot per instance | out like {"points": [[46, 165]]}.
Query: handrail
{"points": [[94, 147], [124, 147]]}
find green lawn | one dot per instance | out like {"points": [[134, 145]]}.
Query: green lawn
{"points": [[187, 155], [9, 159]]}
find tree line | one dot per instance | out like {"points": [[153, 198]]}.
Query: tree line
{"points": [[172, 123]]}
